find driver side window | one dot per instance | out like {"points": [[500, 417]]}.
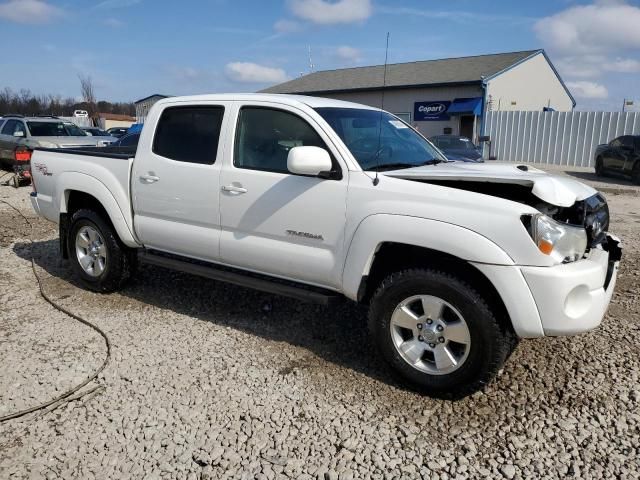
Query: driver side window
{"points": [[264, 137]]}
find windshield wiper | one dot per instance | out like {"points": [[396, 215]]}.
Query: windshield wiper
{"points": [[399, 165], [392, 166]]}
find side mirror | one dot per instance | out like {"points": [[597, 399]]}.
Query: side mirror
{"points": [[18, 133], [484, 138], [311, 161]]}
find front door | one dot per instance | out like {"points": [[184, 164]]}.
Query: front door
{"points": [[274, 222], [176, 180], [466, 126]]}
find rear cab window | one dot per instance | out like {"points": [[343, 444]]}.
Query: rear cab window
{"points": [[189, 134]]}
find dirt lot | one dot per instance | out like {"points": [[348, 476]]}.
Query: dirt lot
{"points": [[203, 383]]}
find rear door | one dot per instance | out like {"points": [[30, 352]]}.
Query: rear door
{"points": [[175, 180], [275, 222], [627, 151]]}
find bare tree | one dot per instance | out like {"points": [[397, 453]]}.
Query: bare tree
{"points": [[88, 94]]}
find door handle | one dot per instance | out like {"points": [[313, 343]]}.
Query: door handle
{"points": [[149, 178], [234, 189]]}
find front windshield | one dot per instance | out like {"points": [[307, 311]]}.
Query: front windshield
{"points": [[378, 140], [456, 143], [54, 129], [73, 130]]}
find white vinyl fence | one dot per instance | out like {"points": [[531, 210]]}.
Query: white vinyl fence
{"points": [[561, 138]]}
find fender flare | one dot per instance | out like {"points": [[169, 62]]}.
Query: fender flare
{"points": [[81, 182], [378, 229]]}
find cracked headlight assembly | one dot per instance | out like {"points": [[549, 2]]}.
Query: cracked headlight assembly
{"points": [[564, 243]]}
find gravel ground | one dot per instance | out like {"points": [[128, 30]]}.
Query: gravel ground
{"points": [[205, 383]]}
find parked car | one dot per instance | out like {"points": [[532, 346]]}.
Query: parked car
{"points": [[316, 198], [96, 132], [621, 155], [126, 145], [50, 132], [117, 131], [458, 148], [81, 114]]}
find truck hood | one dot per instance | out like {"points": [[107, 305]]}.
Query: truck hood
{"points": [[554, 189]]}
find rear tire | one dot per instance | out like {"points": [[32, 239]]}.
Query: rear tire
{"points": [[456, 345], [599, 167], [96, 253]]}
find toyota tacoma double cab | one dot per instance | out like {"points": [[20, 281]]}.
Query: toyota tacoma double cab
{"points": [[315, 199]]}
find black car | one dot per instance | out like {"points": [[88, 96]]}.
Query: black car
{"points": [[621, 155], [458, 148], [117, 131]]}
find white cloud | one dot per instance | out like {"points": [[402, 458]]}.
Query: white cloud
{"points": [[623, 65], [591, 66], [29, 11], [348, 54], [601, 27], [287, 26], [325, 12], [107, 4], [113, 23], [457, 16], [586, 89], [247, 72]]}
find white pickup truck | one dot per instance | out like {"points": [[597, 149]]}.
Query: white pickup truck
{"points": [[315, 199]]}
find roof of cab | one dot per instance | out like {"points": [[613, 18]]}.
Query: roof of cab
{"points": [[293, 100]]}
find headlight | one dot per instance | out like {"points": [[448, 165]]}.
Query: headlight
{"points": [[564, 243]]}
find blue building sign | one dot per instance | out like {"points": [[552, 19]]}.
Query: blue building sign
{"points": [[431, 111]]}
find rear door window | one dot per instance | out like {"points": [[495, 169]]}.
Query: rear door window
{"points": [[189, 134]]}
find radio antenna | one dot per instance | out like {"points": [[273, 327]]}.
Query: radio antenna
{"points": [[376, 180]]}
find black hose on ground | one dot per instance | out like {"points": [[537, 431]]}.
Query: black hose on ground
{"points": [[62, 309]]}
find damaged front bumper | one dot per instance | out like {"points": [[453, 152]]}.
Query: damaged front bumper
{"points": [[572, 298]]}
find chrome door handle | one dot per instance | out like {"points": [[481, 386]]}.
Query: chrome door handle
{"points": [[149, 178], [234, 189]]}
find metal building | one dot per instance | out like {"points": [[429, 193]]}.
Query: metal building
{"points": [[144, 105], [445, 96]]}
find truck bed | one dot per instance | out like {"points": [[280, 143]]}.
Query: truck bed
{"points": [[105, 176]]}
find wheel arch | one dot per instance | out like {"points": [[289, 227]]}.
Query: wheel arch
{"points": [[91, 193], [415, 242]]}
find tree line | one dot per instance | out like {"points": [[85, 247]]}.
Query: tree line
{"points": [[26, 103]]}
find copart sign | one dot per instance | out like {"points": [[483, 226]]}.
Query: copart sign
{"points": [[431, 111]]}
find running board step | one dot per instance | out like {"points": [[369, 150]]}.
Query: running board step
{"points": [[255, 281]]}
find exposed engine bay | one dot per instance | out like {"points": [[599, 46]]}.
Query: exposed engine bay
{"points": [[592, 212]]}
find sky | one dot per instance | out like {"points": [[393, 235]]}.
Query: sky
{"points": [[133, 48]]}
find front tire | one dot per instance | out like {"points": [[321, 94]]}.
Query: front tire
{"points": [[438, 332], [97, 255]]}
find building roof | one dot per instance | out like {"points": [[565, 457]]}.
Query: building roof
{"points": [[151, 96], [462, 70], [116, 116]]}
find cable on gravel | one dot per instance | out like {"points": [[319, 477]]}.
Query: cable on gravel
{"points": [[57, 306]]}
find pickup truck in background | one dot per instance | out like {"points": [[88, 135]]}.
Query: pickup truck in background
{"points": [[315, 199], [621, 155]]}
